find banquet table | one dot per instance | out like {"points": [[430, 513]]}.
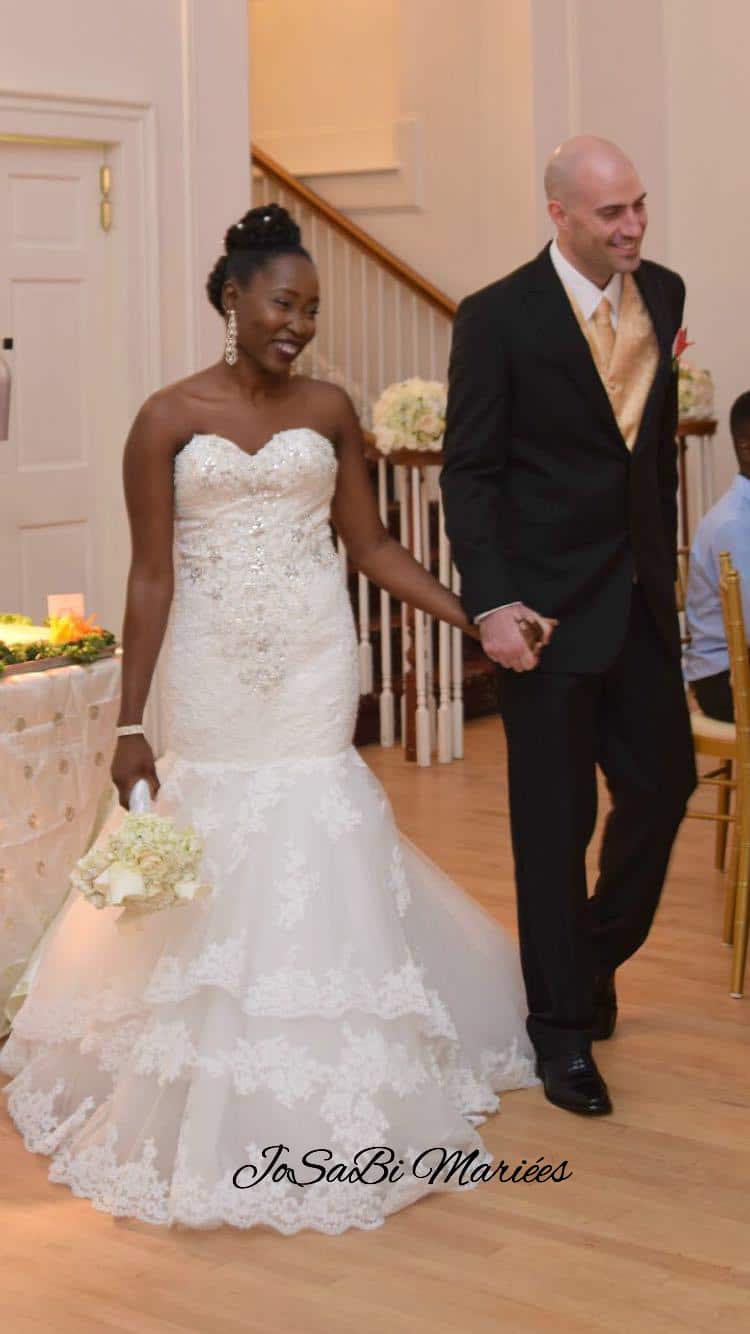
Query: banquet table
{"points": [[57, 738]]}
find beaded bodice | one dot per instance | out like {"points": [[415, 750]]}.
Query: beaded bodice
{"points": [[260, 608]]}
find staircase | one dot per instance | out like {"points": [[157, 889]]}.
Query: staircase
{"points": [[478, 680], [381, 322]]}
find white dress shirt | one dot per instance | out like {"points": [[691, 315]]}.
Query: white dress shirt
{"points": [[586, 293], [726, 527], [588, 296]]}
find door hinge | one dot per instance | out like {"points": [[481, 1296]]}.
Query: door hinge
{"points": [[105, 203]]}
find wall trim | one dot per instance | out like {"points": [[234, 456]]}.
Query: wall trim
{"points": [[126, 130], [329, 150], [573, 24], [122, 124], [396, 187], [189, 139]]}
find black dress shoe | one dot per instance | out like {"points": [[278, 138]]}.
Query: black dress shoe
{"points": [[605, 1016], [571, 1080]]}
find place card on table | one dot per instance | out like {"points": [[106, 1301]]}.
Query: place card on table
{"points": [[63, 604]]}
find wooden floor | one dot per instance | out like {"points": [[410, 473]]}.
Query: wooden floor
{"points": [[651, 1233]]}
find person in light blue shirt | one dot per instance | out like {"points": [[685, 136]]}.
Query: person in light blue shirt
{"points": [[726, 527]]}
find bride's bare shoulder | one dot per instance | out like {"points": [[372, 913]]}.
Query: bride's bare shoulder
{"points": [[167, 417], [330, 405]]}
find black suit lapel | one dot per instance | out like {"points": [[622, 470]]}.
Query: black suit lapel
{"points": [[651, 289], [562, 340]]}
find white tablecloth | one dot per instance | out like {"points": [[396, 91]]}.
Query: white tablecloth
{"points": [[57, 737]]}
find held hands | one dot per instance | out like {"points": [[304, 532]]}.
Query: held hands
{"points": [[515, 636], [133, 759]]}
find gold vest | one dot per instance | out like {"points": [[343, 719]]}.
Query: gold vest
{"points": [[635, 358]]}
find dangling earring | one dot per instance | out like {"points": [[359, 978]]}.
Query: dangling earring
{"points": [[230, 341]]}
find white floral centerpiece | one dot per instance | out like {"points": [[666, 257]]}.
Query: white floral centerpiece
{"points": [[145, 865], [410, 415], [696, 393]]}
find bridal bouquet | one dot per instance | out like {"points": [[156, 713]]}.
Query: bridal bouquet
{"points": [[410, 415], [147, 864]]}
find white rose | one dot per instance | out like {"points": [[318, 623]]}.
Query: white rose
{"points": [[189, 890], [119, 882], [428, 425]]}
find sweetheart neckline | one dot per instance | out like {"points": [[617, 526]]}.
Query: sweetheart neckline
{"points": [[289, 430]]}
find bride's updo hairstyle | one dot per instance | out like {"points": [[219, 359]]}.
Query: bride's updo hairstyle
{"points": [[250, 244]]}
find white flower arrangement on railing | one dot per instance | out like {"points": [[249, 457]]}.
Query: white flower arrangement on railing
{"points": [[410, 415], [696, 393]]}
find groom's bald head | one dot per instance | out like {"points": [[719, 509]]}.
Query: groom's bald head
{"points": [[597, 202], [580, 162]]}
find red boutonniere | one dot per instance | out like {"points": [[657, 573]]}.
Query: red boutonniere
{"points": [[680, 345]]}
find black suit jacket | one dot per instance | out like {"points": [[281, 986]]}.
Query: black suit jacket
{"points": [[544, 503]]}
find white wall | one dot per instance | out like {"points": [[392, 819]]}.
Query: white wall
{"points": [[487, 88], [453, 198], [465, 75], [668, 80], [189, 59], [324, 93], [709, 188], [595, 73]]}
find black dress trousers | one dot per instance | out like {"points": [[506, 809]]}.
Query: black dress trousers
{"points": [[631, 720]]}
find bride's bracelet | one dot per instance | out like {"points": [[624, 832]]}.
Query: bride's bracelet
{"points": [[131, 729]]}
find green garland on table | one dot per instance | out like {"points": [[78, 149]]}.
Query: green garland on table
{"points": [[77, 651]]}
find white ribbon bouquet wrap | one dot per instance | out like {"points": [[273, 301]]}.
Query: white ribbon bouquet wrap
{"points": [[145, 865]]}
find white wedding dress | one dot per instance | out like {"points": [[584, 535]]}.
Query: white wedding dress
{"points": [[336, 991]]}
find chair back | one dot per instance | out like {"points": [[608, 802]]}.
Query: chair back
{"points": [[739, 661], [680, 586]]}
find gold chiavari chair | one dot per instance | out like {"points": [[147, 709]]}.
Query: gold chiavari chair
{"points": [[730, 742], [721, 778]]}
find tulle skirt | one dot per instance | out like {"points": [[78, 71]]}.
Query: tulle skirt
{"points": [[271, 1054]]}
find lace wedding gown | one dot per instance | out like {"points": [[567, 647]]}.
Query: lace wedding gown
{"points": [[336, 991]]}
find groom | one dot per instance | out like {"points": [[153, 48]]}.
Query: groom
{"points": [[560, 501]]}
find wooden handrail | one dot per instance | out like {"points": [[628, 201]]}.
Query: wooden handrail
{"points": [[359, 238]]}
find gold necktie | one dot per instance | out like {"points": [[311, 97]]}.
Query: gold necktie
{"points": [[603, 331]]}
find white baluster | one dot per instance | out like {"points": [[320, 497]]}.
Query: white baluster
{"points": [[348, 316], [365, 645], [706, 462], [387, 712], [422, 713], [341, 551], [457, 664], [302, 366], [399, 373], [315, 360], [364, 377], [381, 333], [403, 527], [445, 713], [428, 621], [331, 300]]}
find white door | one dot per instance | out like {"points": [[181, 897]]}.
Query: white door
{"points": [[62, 520]]}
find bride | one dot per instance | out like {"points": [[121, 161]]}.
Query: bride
{"points": [[337, 1000]]}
